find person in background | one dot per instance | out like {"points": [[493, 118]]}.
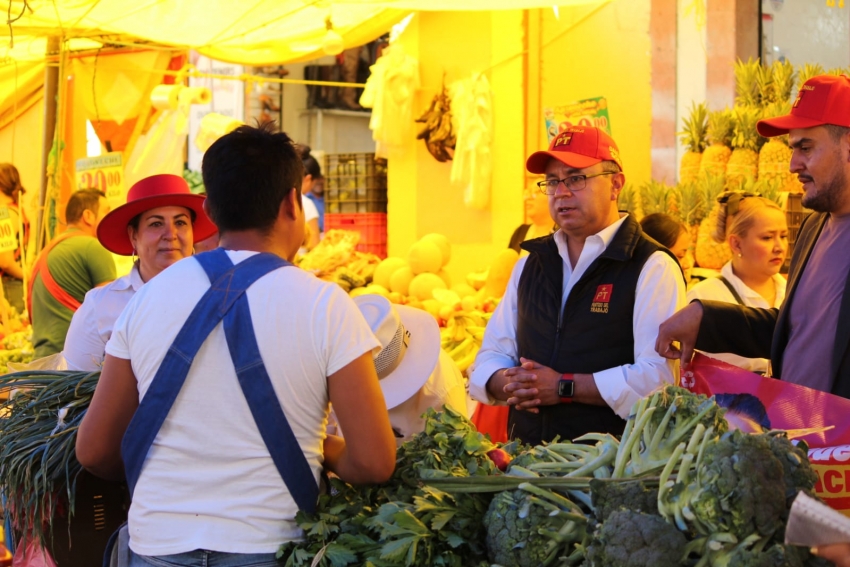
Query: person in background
{"points": [[415, 373], [569, 347], [807, 338], [537, 211], [206, 488], [757, 233], [671, 234], [11, 268], [159, 223], [73, 263], [313, 220], [313, 186]]}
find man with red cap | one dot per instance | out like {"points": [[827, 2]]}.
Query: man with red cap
{"points": [[806, 343], [570, 347]]}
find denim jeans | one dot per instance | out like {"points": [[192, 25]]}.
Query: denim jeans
{"points": [[203, 558]]}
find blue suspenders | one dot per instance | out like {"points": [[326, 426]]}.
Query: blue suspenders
{"points": [[225, 300]]}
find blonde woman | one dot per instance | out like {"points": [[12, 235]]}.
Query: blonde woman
{"points": [[757, 233]]}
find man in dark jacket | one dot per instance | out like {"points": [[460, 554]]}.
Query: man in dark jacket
{"points": [[570, 347], [805, 339]]}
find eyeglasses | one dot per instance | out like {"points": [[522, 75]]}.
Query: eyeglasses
{"points": [[573, 183]]}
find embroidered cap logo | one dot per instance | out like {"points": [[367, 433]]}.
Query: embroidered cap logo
{"points": [[564, 139]]}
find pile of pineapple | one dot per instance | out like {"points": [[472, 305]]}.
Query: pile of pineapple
{"points": [[726, 153]]}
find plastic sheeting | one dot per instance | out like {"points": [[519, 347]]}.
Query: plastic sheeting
{"points": [[251, 32]]}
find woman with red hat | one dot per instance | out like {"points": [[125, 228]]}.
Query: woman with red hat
{"points": [[160, 223]]}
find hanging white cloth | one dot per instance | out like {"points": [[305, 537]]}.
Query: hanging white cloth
{"points": [[472, 122], [389, 92]]}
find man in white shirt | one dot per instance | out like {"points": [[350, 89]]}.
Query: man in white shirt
{"points": [[571, 346]]}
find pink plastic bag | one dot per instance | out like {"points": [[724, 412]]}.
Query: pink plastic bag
{"points": [[35, 556], [819, 418]]}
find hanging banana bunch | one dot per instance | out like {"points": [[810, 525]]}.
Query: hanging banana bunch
{"points": [[437, 132]]}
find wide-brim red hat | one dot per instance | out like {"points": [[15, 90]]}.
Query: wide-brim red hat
{"points": [[163, 190]]}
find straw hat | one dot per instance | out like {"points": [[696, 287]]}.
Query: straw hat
{"points": [[164, 190], [410, 346]]}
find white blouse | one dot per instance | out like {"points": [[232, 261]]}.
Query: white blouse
{"points": [[715, 290], [93, 322]]}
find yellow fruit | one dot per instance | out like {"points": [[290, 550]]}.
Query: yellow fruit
{"points": [[400, 281], [396, 297], [463, 289], [500, 273], [423, 285], [377, 290], [442, 243], [425, 256], [444, 275], [693, 137], [432, 306], [708, 252], [386, 269], [476, 280], [741, 168], [358, 291], [689, 168]]}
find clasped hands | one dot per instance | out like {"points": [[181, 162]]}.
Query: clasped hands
{"points": [[530, 385]]}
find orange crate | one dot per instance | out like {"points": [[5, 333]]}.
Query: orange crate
{"points": [[371, 226]]}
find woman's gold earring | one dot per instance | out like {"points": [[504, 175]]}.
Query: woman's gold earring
{"points": [[740, 255]]}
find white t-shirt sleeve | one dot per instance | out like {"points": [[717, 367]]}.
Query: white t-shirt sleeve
{"points": [[310, 210], [119, 343], [342, 330]]}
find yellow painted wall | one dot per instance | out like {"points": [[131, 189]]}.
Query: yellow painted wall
{"points": [[588, 52]]}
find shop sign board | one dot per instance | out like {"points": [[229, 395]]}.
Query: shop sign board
{"points": [[586, 112], [106, 173], [8, 240]]}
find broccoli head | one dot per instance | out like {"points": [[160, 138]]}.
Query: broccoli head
{"points": [[799, 474], [632, 539], [609, 496], [739, 489], [527, 529]]}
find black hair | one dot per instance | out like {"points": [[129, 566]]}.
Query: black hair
{"points": [[10, 179], [837, 132], [247, 174], [81, 201], [662, 228], [311, 164]]}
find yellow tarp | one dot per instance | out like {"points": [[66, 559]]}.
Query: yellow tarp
{"points": [[251, 32]]}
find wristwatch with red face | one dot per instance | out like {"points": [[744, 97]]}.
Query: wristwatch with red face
{"points": [[566, 388]]}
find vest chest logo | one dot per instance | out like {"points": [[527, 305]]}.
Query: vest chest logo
{"points": [[601, 299]]}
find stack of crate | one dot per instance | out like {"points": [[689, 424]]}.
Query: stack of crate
{"points": [[356, 198]]}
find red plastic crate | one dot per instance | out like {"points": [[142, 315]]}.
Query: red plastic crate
{"points": [[371, 226]]}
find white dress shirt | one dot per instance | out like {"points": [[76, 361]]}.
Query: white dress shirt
{"points": [[93, 322], [714, 289], [660, 293]]}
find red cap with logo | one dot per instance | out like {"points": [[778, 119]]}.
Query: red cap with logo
{"points": [[824, 99], [578, 147]]}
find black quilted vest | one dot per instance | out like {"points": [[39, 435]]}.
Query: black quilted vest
{"points": [[595, 331]]}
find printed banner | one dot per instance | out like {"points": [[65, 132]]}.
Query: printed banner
{"points": [[818, 418], [587, 112], [8, 241], [105, 173]]}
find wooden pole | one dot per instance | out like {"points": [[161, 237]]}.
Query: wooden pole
{"points": [[51, 92]]}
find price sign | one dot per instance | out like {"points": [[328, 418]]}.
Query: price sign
{"points": [[105, 173], [8, 232], [587, 112]]}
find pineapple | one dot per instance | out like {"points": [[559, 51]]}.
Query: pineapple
{"points": [[654, 197], [743, 163], [766, 86], [693, 137], [775, 155], [627, 200], [719, 132], [808, 71], [691, 206], [708, 252], [784, 78], [746, 82]]}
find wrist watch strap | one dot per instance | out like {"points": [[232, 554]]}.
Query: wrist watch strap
{"points": [[566, 389]]}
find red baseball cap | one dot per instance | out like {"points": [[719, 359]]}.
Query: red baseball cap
{"points": [[579, 147], [823, 99]]}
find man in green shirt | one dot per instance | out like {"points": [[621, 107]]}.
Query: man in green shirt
{"points": [[70, 265]]}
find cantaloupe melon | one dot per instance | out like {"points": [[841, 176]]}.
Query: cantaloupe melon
{"points": [[400, 280], [425, 256], [423, 285], [499, 274], [442, 243], [386, 269], [444, 275]]}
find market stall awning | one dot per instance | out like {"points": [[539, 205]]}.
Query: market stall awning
{"points": [[252, 32]]}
